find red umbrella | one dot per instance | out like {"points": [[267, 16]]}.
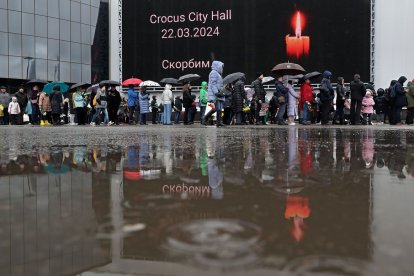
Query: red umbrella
{"points": [[132, 81]]}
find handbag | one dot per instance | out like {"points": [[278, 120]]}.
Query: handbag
{"points": [[281, 100]]}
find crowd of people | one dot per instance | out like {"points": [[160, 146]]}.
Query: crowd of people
{"points": [[236, 103]]}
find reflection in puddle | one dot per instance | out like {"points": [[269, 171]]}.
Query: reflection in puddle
{"points": [[298, 201]]}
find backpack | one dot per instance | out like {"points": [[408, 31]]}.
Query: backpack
{"points": [[393, 92]]}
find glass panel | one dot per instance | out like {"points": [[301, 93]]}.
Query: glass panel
{"points": [[93, 29], [87, 2], [3, 21], [53, 49], [86, 73], [15, 67], [65, 71], [94, 16], [64, 9], [15, 45], [3, 4], [4, 44], [41, 7], [15, 22], [53, 8], [64, 30], [28, 48], [41, 47], [86, 34], [64, 50], [28, 23], [53, 28], [41, 69], [28, 6], [4, 70], [86, 14], [95, 3], [53, 70], [15, 5], [75, 72], [41, 26], [75, 52], [86, 54], [75, 12], [75, 32]]}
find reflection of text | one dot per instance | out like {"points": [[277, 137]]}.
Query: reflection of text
{"points": [[183, 65], [191, 191]]}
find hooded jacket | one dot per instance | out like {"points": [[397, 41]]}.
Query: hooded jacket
{"points": [[326, 96], [143, 102], [132, 97], [239, 95], [167, 95], [259, 91], [281, 90], [178, 104], [410, 94], [358, 89], [215, 80], [293, 97], [203, 94], [5, 99], [400, 98], [381, 104], [306, 94], [368, 104]]}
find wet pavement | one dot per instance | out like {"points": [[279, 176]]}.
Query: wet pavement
{"points": [[206, 201]]}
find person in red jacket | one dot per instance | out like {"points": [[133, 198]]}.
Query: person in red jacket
{"points": [[306, 100]]}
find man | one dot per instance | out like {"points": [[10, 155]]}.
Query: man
{"points": [[400, 99], [22, 100], [259, 97], [5, 99], [281, 95], [154, 110], [178, 108], [215, 95], [326, 96], [358, 91], [114, 101]]}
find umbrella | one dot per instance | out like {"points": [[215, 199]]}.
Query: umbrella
{"points": [[81, 84], [110, 83], [312, 75], [36, 82], [188, 78], [267, 79], [92, 88], [169, 81], [288, 68], [132, 81], [56, 170], [49, 87], [150, 83], [233, 77], [293, 78]]}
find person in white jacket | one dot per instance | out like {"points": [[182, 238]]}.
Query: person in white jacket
{"points": [[14, 111], [167, 100]]}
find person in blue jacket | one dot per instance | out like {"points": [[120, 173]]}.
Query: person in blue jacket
{"points": [[132, 103], [215, 95]]}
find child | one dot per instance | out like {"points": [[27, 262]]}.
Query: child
{"points": [[14, 111], [380, 106], [368, 104], [347, 107]]}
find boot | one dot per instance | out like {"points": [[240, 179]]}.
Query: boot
{"points": [[219, 122], [207, 117], [47, 123], [42, 122]]}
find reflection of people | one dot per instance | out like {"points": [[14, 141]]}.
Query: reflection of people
{"points": [[215, 179], [297, 208]]}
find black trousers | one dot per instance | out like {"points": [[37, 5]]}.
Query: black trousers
{"points": [[113, 114], [81, 115], [355, 115], [56, 118], [14, 119], [410, 116], [325, 111]]}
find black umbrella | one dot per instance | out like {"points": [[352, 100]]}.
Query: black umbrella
{"points": [[36, 82], [312, 75], [288, 68], [110, 83], [233, 77], [169, 81], [82, 84], [188, 78]]}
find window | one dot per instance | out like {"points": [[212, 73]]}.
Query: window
{"points": [[53, 70], [41, 7], [28, 23], [52, 28], [64, 9], [86, 34], [28, 46], [15, 44], [15, 67], [3, 21], [41, 47], [65, 71], [3, 4], [64, 50], [15, 5], [86, 54], [41, 69], [75, 72], [86, 73], [75, 12], [15, 22], [41, 26], [75, 32], [95, 3], [4, 70], [28, 6], [64, 30], [4, 44], [53, 49], [86, 14], [94, 16], [75, 52], [53, 8]]}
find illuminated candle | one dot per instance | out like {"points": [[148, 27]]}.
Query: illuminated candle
{"points": [[298, 45]]}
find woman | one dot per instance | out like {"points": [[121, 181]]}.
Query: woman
{"points": [[326, 96], [45, 109], [187, 103], [239, 98], [56, 101], [167, 100], [293, 96], [80, 103], [228, 98], [143, 105], [101, 105], [203, 99], [340, 102], [306, 100], [132, 103]]}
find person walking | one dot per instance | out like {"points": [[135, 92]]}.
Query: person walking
{"points": [[114, 101], [293, 97], [143, 105], [239, 99], [326, 96], [101, 105], [22, 100], [154, 110], [340, 102], [56, 102], [281, 95], [5, 99], [167, 100], [178, 108], [306, 100], [215, 95], [259, 97], [368, 104], [358, 91], [400, 99], [133, 102], [203, 99], [14, 111], [410, 102]]}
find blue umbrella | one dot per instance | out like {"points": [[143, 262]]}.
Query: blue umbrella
{"points": [[56, 170], [49, 87]]}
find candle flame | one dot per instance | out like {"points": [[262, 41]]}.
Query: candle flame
{"points": [[298, 25]]}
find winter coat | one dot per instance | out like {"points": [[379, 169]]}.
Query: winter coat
{"points": [[14, 108], [203, 94], [215, 80], [56, 101], [259, 91], [228, 94], [281, 90], [187, 99], [34, 96], [5, 99], [143, 103], [21, 99], [400, 98], [154, 105], [328, 95], [178, 104], [293, 96], [368, 104], [101, 99], [167, 95], [410, 94], [113, 98], [44, 102], [381, 104], [132, 97], [340, 96], [79, 100], [358, 89], [306, 94], [239, 96]]}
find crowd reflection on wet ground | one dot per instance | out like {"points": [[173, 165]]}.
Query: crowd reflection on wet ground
{"points": [[297, 201]]}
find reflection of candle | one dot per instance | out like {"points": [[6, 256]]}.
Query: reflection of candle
{"points": [[298, 45], [297, 207]]}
